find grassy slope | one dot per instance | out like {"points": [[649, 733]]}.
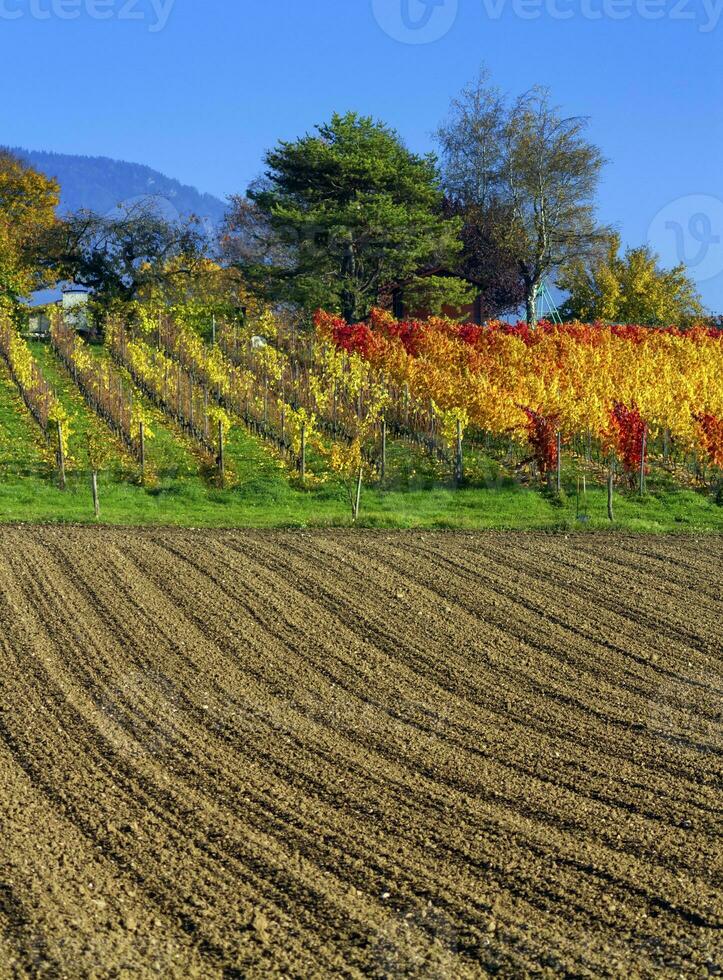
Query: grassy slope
{"points": [[263, 495], [25, 460]]}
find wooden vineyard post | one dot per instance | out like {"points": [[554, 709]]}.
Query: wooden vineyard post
{"points": [[383, 472], [559, 462], [357, 497], [221, 459], [459, 457], [643, 454], [303, 452], [611, 490], [142, 442], [205, 414], [94, 488], [213, 330], [283, 428], [61, 457]]}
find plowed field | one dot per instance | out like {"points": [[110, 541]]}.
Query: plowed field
{"points": [[337, 754]]}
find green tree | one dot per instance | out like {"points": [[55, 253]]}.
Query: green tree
{"points": [[630, 288], [343, 216]]}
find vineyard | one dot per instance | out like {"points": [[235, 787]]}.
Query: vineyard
{"points": [[624, 389], [564, 424], [354, 752]]}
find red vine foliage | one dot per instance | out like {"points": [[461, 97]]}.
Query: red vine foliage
{"points": [[542, 433], [629, 434], [712, 429]]}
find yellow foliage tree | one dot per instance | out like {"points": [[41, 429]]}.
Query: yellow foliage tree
{"points": [[630, 288], [28, 202], [194, 291]]}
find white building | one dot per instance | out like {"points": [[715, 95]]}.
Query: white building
{"points": [[73, 302]]}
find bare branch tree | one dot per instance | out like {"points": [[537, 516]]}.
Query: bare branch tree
{"points": [[529, 174], [120, 254]]}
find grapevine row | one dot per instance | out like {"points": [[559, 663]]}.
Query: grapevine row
{"points": [[338, 388], [239, 394], [36, 392], [102, 387], [170, 387]]}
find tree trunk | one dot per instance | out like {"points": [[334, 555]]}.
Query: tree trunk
{"points": [[348, 306], [533, 290], [348, 298]]}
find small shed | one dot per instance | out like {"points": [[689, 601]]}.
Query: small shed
{"points": [[72, 300]]}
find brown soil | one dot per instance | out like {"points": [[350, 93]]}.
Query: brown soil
{"points": [[336, 754]]}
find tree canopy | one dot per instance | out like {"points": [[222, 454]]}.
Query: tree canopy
{"points": [[531, 175], [344, 215], [28, 202], [630, 288], [120, 255]]}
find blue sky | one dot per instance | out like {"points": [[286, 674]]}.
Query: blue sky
{"points": [[200, 88]]}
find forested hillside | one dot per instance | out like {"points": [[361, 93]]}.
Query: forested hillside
{"points": [[100, 184]]}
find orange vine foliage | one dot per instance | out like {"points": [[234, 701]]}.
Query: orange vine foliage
{"points": [[504, 376]]}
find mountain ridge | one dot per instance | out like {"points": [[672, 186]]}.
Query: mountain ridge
{"points": [[101, 184]]}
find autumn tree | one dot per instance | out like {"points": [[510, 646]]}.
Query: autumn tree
{"points": [[343, 215], [486, 261], [630, 288], [205, 290], [28, 202], [532, 175]]}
